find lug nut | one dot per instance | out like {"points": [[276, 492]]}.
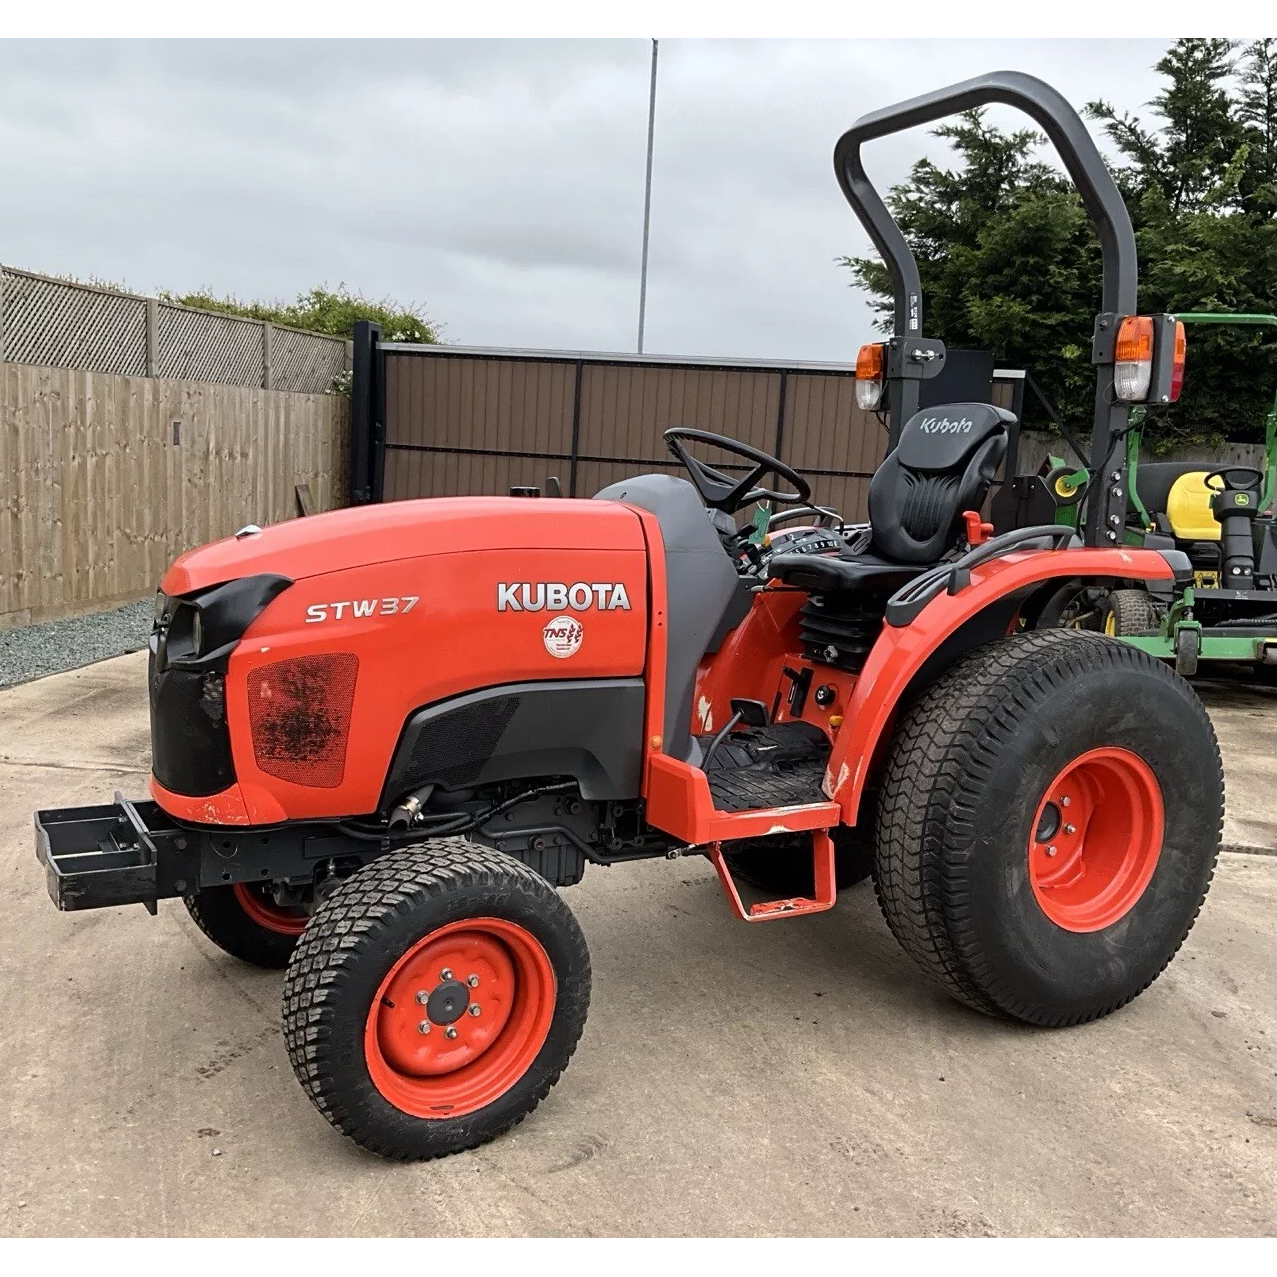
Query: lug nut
{"points": [[1064, 802], [474, 1008], [472, 981], [445, 974], [1070, 829], [449, 1032], [1050, 851], [424, 1027], [423, 996]]}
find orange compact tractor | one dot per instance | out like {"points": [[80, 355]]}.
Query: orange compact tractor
{"points": [[383, 737]]}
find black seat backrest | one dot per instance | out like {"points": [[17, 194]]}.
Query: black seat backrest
{"points": [[944, 463]]}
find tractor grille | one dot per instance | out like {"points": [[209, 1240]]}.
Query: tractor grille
{"points": [[839, 629], [299, 715]]}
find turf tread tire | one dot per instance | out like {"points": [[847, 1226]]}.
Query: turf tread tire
{"points": [[217, 912], [440, 880], [944, 749], [1133, 612]]}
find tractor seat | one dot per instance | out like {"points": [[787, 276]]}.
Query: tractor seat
{"points": [[1188, 508], [943, 465]]}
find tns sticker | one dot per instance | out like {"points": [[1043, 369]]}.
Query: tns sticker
{"points": [[350, 609], [563, 636]]}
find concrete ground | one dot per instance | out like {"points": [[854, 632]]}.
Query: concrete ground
{"points": [[797, 1078]]}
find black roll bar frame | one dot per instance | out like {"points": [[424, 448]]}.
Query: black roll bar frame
{"points": [[911, 357]]}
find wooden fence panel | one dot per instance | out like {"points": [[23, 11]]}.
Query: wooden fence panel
{"points": [[104, 480]]}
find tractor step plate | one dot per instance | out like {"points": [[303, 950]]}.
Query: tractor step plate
{"points": [[823, 871]]}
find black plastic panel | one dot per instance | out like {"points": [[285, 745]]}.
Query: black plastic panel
{"points": [[590, 729]]}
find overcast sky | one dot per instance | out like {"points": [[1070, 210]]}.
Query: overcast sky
{"points": [[498, 183]]}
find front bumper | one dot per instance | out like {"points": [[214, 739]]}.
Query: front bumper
{"points": [[119, 853], [131, 852]]}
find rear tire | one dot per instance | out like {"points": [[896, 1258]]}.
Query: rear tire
{"points": [[1127, 612], [245, 922], [973, 809], [422, 936]]}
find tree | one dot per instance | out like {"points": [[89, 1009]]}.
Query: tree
{"points": [[1016, 270], [324, 310]]}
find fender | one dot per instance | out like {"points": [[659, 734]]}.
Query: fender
{"points": [[899, 654]]}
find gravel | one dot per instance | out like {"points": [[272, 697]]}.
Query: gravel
{"points": [[49, 648]]}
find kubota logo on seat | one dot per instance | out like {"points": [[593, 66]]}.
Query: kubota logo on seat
{"points": [[554, 596], [944, 426]]}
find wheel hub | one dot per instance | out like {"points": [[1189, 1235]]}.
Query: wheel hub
{"points": [[1048, 823], [449, 1001], [1097, 836]]}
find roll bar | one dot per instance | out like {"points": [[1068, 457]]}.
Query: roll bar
{"points": [[911, 357]]}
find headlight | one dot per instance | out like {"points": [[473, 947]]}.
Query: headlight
{"points": [[204, 626]]}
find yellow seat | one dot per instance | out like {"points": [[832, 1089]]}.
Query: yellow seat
{"points": [[1188, 508]]}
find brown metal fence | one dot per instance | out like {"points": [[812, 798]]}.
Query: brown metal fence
{"points": [[446, 421]]}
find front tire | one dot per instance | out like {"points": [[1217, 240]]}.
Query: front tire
{"points": [[244, 921], [1017, 902], [435, 999]]}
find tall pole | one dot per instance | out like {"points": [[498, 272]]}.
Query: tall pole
{"points": [[647, 199]]}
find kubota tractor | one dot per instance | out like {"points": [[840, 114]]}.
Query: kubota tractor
{"points": [[384, 737]]}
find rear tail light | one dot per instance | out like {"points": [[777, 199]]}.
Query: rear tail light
{"points": [[299, 716], [869, 375], [1133, 358], [1177, 367]]}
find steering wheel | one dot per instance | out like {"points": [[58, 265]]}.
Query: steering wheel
{"points": [[723, 492], [815, 512], [1255, 478]]}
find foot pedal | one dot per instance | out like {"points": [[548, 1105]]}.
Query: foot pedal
{"points": [[822, 850]]}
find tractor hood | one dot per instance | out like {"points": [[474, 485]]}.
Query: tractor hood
{"points": [[364, 535]]}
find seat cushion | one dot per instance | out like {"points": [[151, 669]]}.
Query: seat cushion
{"points": [[820, 572], [1188, 508]]}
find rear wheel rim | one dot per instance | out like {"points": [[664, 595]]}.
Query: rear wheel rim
{"points": [[259, 905], [1096, 839], [432, 990]]}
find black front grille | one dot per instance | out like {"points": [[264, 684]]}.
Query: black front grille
{"points": [[190, 741], [839, 629], [457, 746]]}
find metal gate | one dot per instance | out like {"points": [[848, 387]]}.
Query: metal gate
{"points": [[451, 421]]}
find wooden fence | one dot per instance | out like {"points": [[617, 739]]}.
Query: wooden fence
{"points": [[104, 479]]}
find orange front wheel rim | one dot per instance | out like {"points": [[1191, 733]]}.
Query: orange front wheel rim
{"points": [[1096, 839], [460, 1018], [256, 901]]}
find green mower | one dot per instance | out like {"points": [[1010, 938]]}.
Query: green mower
{"points": [[1223, 603]]}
